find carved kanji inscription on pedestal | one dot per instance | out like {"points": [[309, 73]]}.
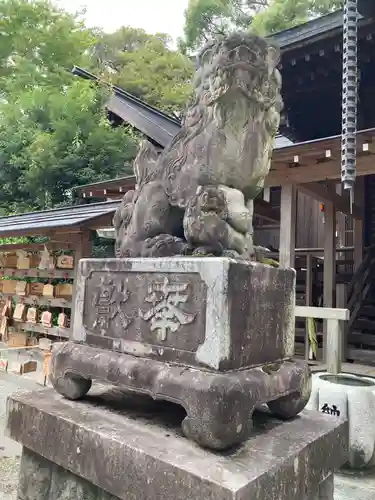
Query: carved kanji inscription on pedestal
{"points": [[166, 314], [164, 310], [109, 300]]}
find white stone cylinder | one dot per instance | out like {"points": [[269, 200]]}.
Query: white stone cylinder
{"points": [[351, 397]]}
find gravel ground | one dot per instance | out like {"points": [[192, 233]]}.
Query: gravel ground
{"points": [[10, 451]]}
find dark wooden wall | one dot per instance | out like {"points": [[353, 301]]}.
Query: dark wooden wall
{"points": [[309, 224]]}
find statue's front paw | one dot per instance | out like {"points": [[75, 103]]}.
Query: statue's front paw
{"points": [[205, 251], [163, 245], [231, 254]]}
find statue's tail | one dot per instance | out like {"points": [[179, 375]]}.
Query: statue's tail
{"points": [[146, 163]]}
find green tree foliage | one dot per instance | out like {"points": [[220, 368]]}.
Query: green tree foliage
{"points": [[144, 65], [39, 44], [283, 14], [206, 18], [54, 133], [50, 142]]}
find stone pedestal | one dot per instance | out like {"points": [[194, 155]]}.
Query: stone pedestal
{"points": [[215, 335], [119, 446]]}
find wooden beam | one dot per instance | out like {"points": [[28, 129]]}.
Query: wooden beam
{"points": [[322, 313], [317, 146], [35, 247], [69, 230], [326, 194], [288, 212], [265, 210], [316, 172], [100, 222]]}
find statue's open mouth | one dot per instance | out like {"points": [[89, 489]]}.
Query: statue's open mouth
{"points": [[244, 65]]}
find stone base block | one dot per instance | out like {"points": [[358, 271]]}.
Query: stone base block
{"points": [[218, 405], [119, 446], [212, 313], [351, 397], [41, 479]]}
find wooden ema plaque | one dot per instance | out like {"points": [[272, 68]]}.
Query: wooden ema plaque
{"points": [[28, 367], [3, 365], [32, 315], [17, 339], [10, 260], [47, 261], [36, 288], [46, 365], [64, 290], [48, 291], [4, 328], [6, 308], [23, 260], [62, 320], [19, 312], [9, 286], [22, 288], [65, 262], [46, 319]]}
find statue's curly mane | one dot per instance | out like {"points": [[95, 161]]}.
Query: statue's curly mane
{"points": [[216, 76]]}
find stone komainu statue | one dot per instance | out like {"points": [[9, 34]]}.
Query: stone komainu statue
{"points": [[196, 196]]}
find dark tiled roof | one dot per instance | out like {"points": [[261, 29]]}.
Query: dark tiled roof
{"points": [[57, 218], [124, 181], [287, 39], [158, 126], [320, 27]]}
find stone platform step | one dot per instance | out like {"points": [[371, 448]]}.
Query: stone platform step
{"points": [[91, 443]]}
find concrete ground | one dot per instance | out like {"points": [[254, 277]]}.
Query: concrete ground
{"points": [[350, 487], [347, 487], [10, 451]]}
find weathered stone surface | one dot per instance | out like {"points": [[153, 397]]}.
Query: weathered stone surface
{"points": [[41, 479], [214, 313], [326, 490], [218, 405], [132, 451], [197, 196], [351, 397]]}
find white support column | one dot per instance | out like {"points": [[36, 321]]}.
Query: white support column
{"points": [[334, 346], [308, 292], [329, 265], [358, 229], [288, 211], [341, 287]]}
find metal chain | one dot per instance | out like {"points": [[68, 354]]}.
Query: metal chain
{"points": [[349, 95]]}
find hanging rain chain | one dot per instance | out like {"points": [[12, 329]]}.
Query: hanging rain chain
{"points": [[349, 96]]}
